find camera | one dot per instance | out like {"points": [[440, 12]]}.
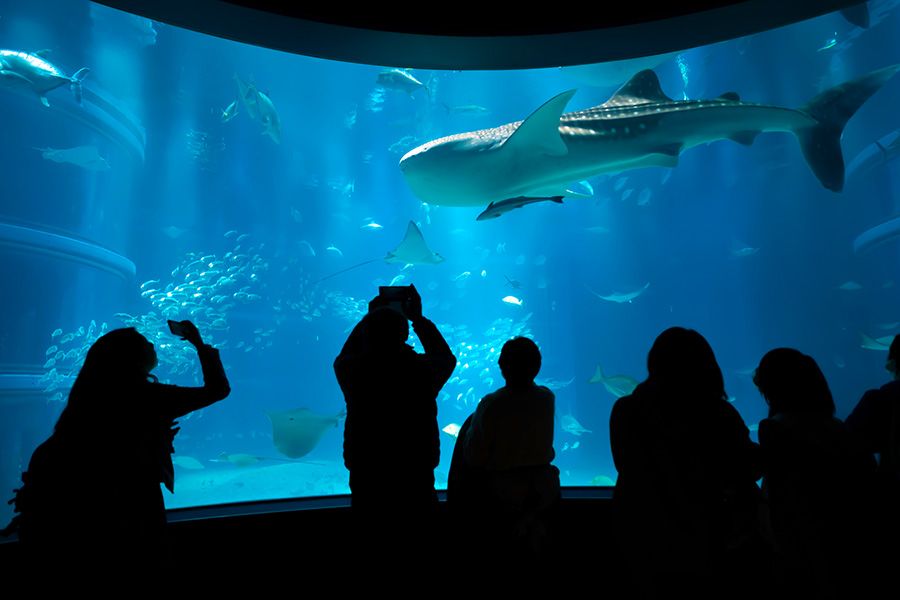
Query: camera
{"points": [[176, 328], [395, 296]]}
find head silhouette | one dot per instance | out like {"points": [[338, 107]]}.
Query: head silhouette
{"points": [[682, 360], [792, 382], [386, 328], [520, 361], [893, 359], [117, 360]]}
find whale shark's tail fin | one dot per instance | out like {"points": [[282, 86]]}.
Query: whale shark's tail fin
{"points": [[832, 109], [75, 86]]}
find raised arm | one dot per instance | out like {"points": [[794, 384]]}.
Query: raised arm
{"points": [[178, 400], [437, 352]]}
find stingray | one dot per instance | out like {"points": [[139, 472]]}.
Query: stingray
{"points": [[571, 425], [296, 432], [86, 157], [412, 251], [617, 385]]}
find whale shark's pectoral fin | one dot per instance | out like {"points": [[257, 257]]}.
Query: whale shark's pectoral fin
{"points": [[663, 156], [744, 137], [540, 131]]}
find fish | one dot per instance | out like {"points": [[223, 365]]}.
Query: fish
{"points": [[86, 157], [571, 425], [623, 297], [617, 385], [603, 481], [513, 300], [639, 126], [230, 112], [335, 249], [173, 231], [372, 226], [465, 109], [401, 81], [296, 432], [452, 429], [187, 462], [56, 332], [238, 459], [308, 247], [260, 108], [882, 344], [413, 250], [495, 209], [850, 286], [743, 252], [830, 43], [31, 72]]}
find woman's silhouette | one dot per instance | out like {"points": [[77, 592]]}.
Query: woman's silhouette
{"points": [[685, 501], [91, 497]]}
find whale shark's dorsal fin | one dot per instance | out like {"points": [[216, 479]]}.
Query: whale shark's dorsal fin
{"points": [[643, 88], [540, 131]]}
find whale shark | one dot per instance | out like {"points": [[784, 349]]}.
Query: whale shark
{"points": [[639, 126]]}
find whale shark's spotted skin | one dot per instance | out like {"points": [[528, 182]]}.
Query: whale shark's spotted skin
{"points": [[638, 127]]}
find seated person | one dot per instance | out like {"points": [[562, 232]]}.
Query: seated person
{"points": [[501, 476]]}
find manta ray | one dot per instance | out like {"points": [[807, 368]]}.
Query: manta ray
{"points": [[296, 432], [639, 126], [412, 251], [86, 157], [571, 425]]}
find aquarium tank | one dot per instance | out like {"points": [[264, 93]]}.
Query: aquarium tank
{"points": [[747, 189]]}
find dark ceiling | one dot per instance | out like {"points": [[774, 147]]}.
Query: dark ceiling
{"points": [[457, 35]]}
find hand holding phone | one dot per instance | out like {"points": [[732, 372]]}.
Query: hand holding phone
{"points": [[394, 296], [186, 331]]}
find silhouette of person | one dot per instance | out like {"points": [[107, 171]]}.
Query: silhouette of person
{"points": [[876, 420], [818, 480], [391, 443], [685, 504], [91, 500], [503, 481]]}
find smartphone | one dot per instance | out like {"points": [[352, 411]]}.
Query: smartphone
{"points": [[395, 296], [175, 328]]}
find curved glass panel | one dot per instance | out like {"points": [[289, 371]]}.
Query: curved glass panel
{"points": [[258, 193]]}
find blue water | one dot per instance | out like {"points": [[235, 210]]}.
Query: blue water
{"points": [[741, 243]]}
